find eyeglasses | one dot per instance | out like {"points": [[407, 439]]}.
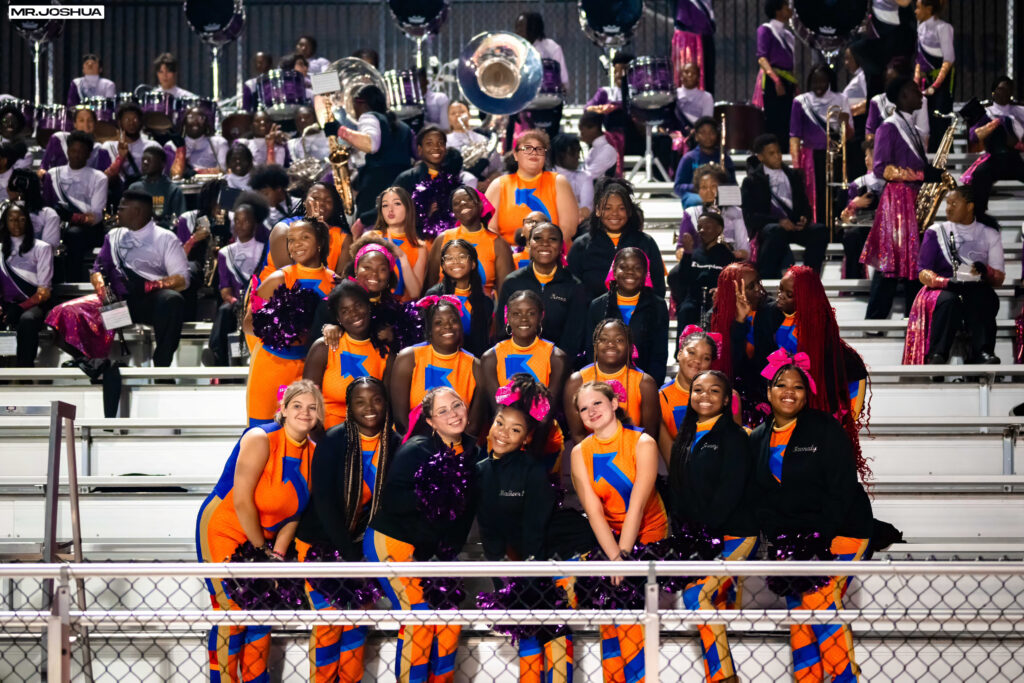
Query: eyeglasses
{"points": [[530, 150], [456, 258], [456, 407]]}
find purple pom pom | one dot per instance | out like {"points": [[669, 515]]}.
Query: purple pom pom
{"points": [[689, 544], [442, 485], [800, 547], [527, 593], [285, 318], [342, 593], [435, 192], [404, 320], [264, 593], [597, 592]]}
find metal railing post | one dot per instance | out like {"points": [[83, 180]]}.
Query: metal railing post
{"points": [[1009, 442], [652, 626], [58, 634]]}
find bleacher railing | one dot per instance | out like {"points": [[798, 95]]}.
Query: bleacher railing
{"points": [[936, 621]]}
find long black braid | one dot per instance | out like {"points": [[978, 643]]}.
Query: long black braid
{"points": [[478, 321], [630, 348], [354, 456]]}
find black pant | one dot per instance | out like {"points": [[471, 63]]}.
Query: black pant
{"points": [[942, 101], [777, 111], [1001, 166], [709, 62], [883, 291], [79, 241], [854, 237], [26, 324], [164, 310], [224, 323], [973, 307], [773, 248]]}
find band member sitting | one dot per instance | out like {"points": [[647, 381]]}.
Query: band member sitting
{"points": [[961, 261], [306, 46], [489, 165], [777, 212], [565, 153], [271, 182], [261, 64], [78, 194], [708, 151], [202, 151], [56, 153], [168, 199], [10, 153], [267, 143], [26, 271], [603, 158], [127, 150], [313, 145], [692, 104], [166, 68], [1001, 131], [90, 84]]}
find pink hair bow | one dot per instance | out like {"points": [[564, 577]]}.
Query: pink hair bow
{"points": [[620, 391], [433, 299], [281, 388], [694, 329], [373, 246], [781, 358], [509, 395], [611, 273], [486, 208]]}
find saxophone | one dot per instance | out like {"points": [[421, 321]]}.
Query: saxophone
{"points": [[931, 194], [338, 159]]}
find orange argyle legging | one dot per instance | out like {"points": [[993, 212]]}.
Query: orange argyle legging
{"points": [[821, 650], [336, 651], [426, 653]]}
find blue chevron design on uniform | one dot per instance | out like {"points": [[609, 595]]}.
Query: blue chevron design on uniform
{"points": [[352, 365], [517, 362], [526, 198], [436, 377], [605, 469]]}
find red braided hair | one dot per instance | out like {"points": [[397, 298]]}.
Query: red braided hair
{"points": [[723, 312], [818, 337]]}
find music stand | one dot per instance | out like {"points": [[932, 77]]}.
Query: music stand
{"points": [[648, 161]]}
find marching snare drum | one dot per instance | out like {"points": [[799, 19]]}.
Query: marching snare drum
{"points": [[105, 109], [550, 94], [403, 91], [50, 119], [203, 104], [236, 126], [650, 82], [158, 110], [282, 92]]}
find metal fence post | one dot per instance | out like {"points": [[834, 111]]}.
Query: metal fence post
{"points": [[652, 627], [58, 634]]}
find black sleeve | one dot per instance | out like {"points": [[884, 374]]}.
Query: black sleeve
{"points": [[756, 205], [839, 481], [738, 342], [595, 314], [734, 470], [398, 484], [659, 349], [575, 332], [538, 504], [330, 500], [801, 204], [577, 252], [503, 295], [492, 536], [454, 536], [679, 278]]}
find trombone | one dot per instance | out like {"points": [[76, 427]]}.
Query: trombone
{"points": [[835, 147]]}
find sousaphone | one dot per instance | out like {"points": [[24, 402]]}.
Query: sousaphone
{"points": [[499, 73]]}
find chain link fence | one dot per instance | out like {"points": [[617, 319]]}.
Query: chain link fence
{"points": [[923, 621]]}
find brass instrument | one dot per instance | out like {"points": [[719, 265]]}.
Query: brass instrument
{"points": [[473, 152], [210, 259], [930, 195], [499, 73], [338, 159], [307, 170], [835, 146], [721, 140]]}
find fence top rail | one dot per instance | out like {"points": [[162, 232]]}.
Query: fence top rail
{"points": [[110, 570]]}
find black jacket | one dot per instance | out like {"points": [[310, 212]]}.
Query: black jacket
{"points": [[565, 308], [709, 486], [382, 167], [399, 515], [756, 196], [518, 512], [819, 489], [648, 325], [323, 520], [697, 274], [479, 338], [590, 257]]}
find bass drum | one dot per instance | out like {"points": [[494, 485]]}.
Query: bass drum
{"points": [[216, 22], [610, 23], [827, 25], [403, 92], [419, 17], [743, 123]]}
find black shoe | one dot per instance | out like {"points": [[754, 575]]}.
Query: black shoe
{"points": [[209, 358], [985, 358], [935, 359]]}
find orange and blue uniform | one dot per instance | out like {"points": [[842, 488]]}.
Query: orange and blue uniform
{"points": [[272, 368], [432, 369], [336, 652], [521, 259], [627, 304], [674, 401], [483, 241], [466, 314], [629, 378], [411, 252], [533, 360], [519, 197], [611, 469], [280, 495], [353, 359], [786, 336], [334, 244]]}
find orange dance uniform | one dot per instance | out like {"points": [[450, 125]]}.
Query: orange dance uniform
{"points": [[629, 378], [432, 369], [674, 401], [534, 360], [520, 197], [271, 368], [483, 241], [337, 237], [411, 252], [352, 359]]}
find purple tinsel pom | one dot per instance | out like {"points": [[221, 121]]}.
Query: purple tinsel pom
{"points": [[442, 485], [800, 547], [436, 191], [342, 593], [444, 592], [405, 322], [689, 544], [526, 593], [285, 318], [264, 593], [597, 592]]}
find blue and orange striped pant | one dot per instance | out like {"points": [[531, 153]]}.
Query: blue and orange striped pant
{"points": [[426, 653], [714, 593], [551, 661], [336, 651], [821, 650]]}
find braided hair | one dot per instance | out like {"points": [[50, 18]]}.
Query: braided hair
{"points": [[723, 312], [479, 323], [630, 347], [531, 296], [818, 337], [530, 390], [354, 455], [612, 310]]}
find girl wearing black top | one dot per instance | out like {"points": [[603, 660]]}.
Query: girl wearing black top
{"points": [[461, 279], [407, 527], [519, 516], [565, 297], [347, 474], [805, 481], [708, 475], [631, 299]]}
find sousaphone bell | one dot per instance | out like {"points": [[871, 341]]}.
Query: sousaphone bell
{"points": [[499, 73]]}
